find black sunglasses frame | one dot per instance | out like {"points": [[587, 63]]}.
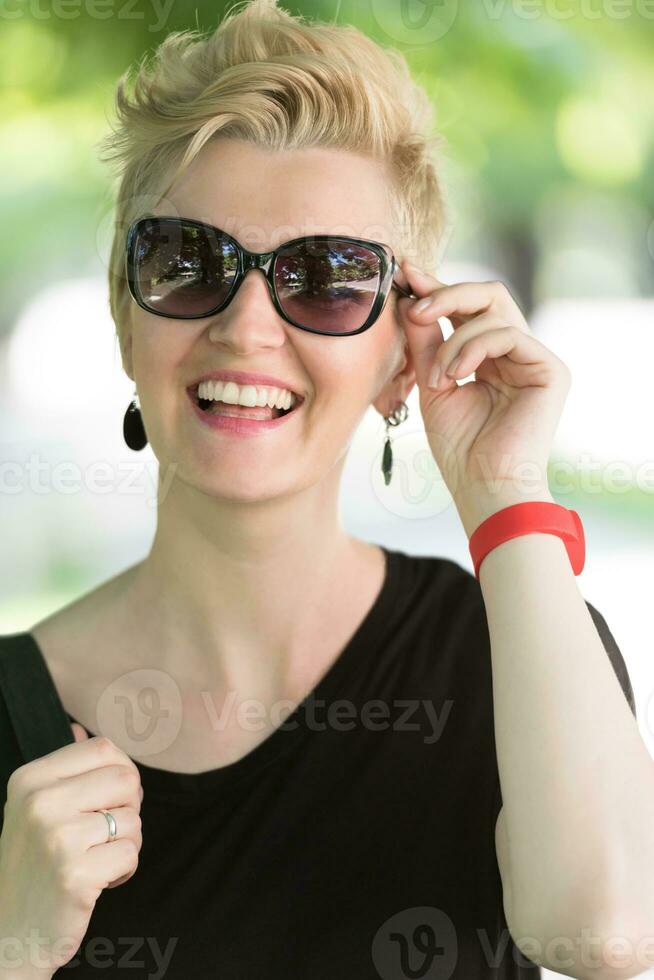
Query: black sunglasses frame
{"points": [[266, 262]]}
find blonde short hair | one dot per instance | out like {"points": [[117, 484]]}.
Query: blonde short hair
{"points": [[279, 82]]}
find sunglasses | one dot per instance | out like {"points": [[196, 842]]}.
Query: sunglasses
{"points": [[331, 285]]}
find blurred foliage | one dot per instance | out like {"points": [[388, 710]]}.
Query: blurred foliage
{"points": [[546, 108], [531, 98]]}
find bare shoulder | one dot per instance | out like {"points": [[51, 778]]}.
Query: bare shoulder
{"points": [[77, 640], [85, 617]]}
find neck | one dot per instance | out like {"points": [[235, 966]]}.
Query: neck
{"points": [[241, 594]]}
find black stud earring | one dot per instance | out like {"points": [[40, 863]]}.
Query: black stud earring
{"points": [[398, 415], [133, 430]]}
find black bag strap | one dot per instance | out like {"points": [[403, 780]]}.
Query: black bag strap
{"points": [[37, 715]]}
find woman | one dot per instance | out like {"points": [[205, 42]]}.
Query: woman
{"points": [[298, 775]]}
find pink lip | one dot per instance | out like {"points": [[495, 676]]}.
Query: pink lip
{"points": [[245, 378], [239, 426]]}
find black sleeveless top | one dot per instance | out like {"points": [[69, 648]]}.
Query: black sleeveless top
{"points": [[357, 841]]}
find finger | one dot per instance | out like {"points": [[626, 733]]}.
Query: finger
{"points": [[413, 270], [92, 829], [424, 343], [80, 733], [88, 829], [447, 351], [114, 862], [421, 283], [511, 342], [468, 298], [401, 277], [70, 760], [100, 788], [454, 344], [120, 881]]}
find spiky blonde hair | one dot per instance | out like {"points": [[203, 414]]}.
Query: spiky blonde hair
{"points": [[279, 82]]}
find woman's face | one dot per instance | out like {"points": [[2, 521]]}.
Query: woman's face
{"points": [[263, 199]]}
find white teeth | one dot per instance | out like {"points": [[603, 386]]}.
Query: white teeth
{"points": [[248, 395], [230, 394]]}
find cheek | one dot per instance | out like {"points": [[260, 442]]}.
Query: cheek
{"points": [[159, 345], [381, 345], [348, 367]]}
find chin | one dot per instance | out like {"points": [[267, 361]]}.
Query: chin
{"points": [[238, 487]]}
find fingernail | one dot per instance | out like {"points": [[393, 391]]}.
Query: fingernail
{"points": [[434, 375], [453, 366], [423, 304]]}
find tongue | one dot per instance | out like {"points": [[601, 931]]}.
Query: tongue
{"points": [[244, 411]]}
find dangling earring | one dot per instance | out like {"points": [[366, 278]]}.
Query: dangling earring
{"points": [[398, 415], [133, 431]]}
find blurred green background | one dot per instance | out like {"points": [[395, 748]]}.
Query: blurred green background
{"points": [[548, 114], [537, 107]]}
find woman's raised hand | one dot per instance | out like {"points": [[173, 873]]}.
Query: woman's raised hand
{"points": [[490, 437]]}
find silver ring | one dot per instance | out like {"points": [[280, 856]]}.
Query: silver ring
{"points": [[113, 830]]}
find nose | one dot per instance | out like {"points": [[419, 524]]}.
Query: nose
{"points": [[250, 319]]}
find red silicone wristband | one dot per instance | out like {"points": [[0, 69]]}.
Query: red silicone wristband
{"points": [[527, 518]]}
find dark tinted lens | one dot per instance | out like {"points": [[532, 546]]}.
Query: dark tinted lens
{"points": [[329, 286], [182, 269]]}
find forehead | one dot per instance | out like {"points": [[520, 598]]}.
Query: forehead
{"points": [[264, 197]]}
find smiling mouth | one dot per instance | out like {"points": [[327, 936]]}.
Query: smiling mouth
{"points": [[212, 406]]}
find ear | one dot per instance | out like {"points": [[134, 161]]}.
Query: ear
{"points": [[403, 377]]}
